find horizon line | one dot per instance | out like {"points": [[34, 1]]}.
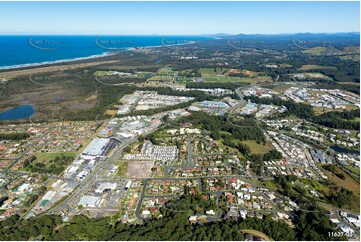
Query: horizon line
{"points": [[212, 34]]}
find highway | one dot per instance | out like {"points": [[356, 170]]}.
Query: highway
{"points": [[94, 175], [90, 178]]}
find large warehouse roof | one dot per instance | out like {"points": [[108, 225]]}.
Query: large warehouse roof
{"points": [[96, 147]]}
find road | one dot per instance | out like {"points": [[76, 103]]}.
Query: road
{"points": [[90, 178], [139, 206], [336, 212], [94, 175], [189, 152], [241, 103]]}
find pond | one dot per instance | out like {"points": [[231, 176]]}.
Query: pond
{"points": [[17, 113], [344, 150]]}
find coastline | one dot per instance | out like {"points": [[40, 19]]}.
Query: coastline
{"points": [[15, 67], [104, 54]]}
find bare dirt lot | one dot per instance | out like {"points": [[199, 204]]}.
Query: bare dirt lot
{"points": [[139, 169]]}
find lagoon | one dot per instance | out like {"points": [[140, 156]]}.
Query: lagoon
{"points": [[17, 113]]}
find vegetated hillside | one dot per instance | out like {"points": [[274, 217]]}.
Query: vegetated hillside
{"points": [[352, 49], [173, 225], [331, 50], [322, 50]]}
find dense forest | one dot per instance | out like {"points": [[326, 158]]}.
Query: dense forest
{"points": [[14, 136], [215, 124], [173, 225]]}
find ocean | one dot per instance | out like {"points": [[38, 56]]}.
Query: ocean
{"points": [[22, 51]]}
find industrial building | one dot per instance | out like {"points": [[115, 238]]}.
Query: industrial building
{"points": [[96, 147]]}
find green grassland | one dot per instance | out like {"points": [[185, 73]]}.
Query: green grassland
{"points": [[184, 79], [257, 148], [206, 72], [187, 72], [102, 73], [315, 67], [347, 183], [166, 71], [123, 166], [144, 74], [161, 78], [228, 79], [165, 74], [353, 169], [321, 50], [47, 156], [49, 162]]}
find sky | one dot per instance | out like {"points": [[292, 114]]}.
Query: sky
{"points": [[177, 18]]}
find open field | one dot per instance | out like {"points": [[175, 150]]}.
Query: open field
{"points": [[161, 78], [102, 73], [231, 79], [270, 185], [323, 50], [123, 167], [321, 110], [52, 162], [307, 75], [315, 67], [247, 73], [184, 79], [166, 72], [353, 169], [208, 72], [348, 183], [47, 156], [111, 112], [257, 148], [245, 80]]}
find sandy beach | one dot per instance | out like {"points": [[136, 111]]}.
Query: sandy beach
{"points": [[9, 74]]}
